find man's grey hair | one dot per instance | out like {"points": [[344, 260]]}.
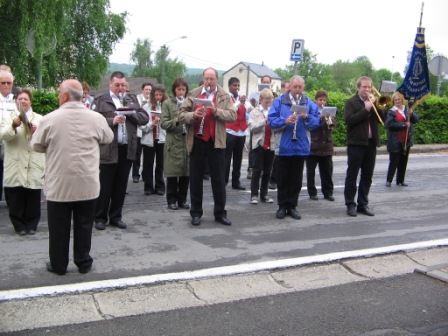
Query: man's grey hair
{"points": [[75, 94], [4, 73]]}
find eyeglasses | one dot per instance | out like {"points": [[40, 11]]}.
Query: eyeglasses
{"points": [[6, 83], [119, 84]]}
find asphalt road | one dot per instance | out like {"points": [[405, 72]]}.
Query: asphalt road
{"points": [[160, 241]]}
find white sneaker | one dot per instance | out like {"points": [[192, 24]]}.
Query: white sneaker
{"points": [[267, 199], [254, 200]]}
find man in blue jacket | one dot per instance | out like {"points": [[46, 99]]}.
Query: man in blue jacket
{"points": [[292, 140]]}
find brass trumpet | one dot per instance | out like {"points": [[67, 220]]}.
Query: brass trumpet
{"points": [[383, 102]]}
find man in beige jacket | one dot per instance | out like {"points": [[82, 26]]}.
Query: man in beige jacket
{"points": [[206, 142], [70, 138]]}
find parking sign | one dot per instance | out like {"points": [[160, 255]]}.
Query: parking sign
{"points": [[297, 50]]}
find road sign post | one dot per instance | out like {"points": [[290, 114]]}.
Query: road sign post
{"points": [[297, 48]]}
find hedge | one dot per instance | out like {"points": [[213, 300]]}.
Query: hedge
{"points": [[431, 129]]}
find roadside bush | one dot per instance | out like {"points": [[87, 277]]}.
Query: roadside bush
{"points": [[431, 129]]}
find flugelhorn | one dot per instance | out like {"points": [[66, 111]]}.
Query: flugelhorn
{"points": [[330, 123], [180, 100], [201, 126], [124, 140], [294, 132], [159, 109]]}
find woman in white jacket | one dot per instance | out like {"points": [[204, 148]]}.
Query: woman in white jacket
{"points": [[24, 168], [262, 148]]}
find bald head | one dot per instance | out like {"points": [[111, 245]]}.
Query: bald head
{"points": [[70, 90]]}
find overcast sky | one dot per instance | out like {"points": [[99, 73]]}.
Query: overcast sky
{"points": [[221, 35]]}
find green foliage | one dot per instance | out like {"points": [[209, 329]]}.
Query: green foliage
{"points": [[85, 31], [431, 128], [45, 101]]}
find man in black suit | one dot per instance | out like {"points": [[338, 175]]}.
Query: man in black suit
{"points": [[116, 158]]}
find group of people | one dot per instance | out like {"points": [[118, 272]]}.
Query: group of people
{"points": [[183, 134]]}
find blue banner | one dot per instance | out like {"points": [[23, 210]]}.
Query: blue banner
{"points": [[415, 87]]}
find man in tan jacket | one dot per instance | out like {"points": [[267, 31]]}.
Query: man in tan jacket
{"points": [[70, 138]]}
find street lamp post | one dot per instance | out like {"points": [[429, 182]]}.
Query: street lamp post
{"points": [[164, 51], [392, 72]]}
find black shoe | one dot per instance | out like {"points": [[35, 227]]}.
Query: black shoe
{"points": [[196, 221], [135, 179], [223, 220], [206, 177], [21, 233], [402, 184], [272, 186], [50, 269], [238, 187], [351, 211], [184, 205], [281, 213], [32, 232], [120, 224], [314, 197], [85, 270], [365, 210], [329, 198], [160, 192], [100, 225], [149, 191], [172, 206], [388, 184], [294, 213]]}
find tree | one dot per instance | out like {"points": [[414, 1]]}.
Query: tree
{"points": [[141, 56], [86, 32]]}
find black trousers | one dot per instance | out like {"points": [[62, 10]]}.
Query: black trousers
{"points": [[24, 207], [325, 164], [250, 156], [153, 178], [59, 226], [114, 182], [137, 161], [234, 154], [398, 162], [359, 158], [274, 171], [177, 189], [263, 160], [205, 151], [1, 180], [289, 180]]}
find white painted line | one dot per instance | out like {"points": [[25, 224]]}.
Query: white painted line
{"points": [[77, 288]]}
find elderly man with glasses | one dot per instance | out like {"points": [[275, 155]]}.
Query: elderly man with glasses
{"points": [[7, 109]]}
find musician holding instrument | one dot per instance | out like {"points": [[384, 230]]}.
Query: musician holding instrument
{"points": [[175, 156], [206, 141], [291, 132], [236, 135], [143, 100], [362, 118], [153, 179], [116, 158], [321, 152], [400, 138], [24, 168]]}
